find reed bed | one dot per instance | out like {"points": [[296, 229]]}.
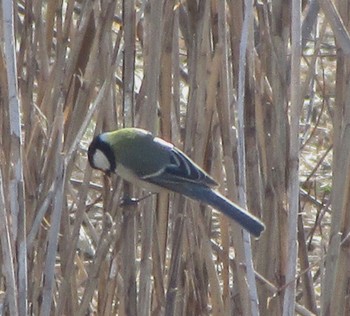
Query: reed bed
{"points": [[257, 93]]}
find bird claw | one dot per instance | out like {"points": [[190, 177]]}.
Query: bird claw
{"points": [[128, 201]]}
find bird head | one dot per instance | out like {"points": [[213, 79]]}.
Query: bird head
{"points": [[101, 155]]}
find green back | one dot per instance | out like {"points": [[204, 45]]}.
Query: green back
{"points": [[150, 154]]}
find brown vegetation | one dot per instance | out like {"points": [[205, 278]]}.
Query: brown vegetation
{"points": [[253, 95]]}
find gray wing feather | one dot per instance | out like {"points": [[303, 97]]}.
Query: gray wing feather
{"points": [[180, 169]]}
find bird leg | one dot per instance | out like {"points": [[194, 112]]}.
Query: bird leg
{"points": [[128, 201]]}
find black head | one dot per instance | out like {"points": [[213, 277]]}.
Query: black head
{"points": [[101, 155]]}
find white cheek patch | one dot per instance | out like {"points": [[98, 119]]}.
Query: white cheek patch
{"points": [[100, 161]]}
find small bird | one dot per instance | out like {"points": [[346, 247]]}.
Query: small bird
{"points": [[154, 164]]}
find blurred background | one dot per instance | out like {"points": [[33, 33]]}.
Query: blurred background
{"points": [[255, 92]]}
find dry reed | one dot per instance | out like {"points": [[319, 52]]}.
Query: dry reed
{"points": [[252, 94]]}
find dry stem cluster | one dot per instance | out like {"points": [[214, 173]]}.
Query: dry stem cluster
{"points": [[255, 92]]}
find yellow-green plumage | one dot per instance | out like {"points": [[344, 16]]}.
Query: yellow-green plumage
{"points": [[151, 152], [125, 142], [150, 162]]}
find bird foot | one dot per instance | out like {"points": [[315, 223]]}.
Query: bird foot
{"points": [[128, 201]]}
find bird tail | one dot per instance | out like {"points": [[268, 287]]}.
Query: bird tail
{"points": [[207, 195]]}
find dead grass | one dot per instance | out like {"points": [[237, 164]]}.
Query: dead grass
{"points": [[270, 125]]}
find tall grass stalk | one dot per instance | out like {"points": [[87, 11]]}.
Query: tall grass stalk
{"points": [[255, 92]]}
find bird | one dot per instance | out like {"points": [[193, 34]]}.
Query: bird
{"points": [[141, 158]]}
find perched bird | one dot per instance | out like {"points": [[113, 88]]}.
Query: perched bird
{"points": [[154, 164]]}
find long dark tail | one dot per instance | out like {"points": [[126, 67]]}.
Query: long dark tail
{"points": [[207, 195]]}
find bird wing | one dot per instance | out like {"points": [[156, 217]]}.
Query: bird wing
{"points": [[179, 169]]}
